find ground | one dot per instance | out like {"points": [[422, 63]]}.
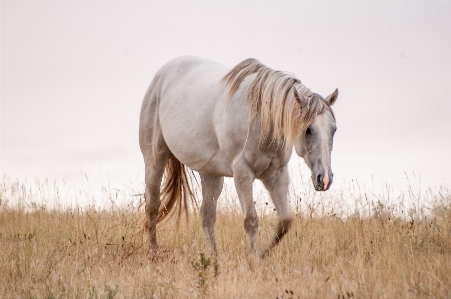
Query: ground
{"points": [[102, 253]]}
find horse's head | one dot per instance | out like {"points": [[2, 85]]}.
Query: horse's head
{"points": [[316, 146]]}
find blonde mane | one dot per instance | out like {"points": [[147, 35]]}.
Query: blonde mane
{"points": [[286, 107]]}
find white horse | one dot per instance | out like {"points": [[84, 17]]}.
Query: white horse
{"points": [[242, 123]]}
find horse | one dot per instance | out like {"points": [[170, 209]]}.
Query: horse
{"points": [[199, 115]]}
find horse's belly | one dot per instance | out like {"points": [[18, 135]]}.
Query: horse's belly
{"points": [[198, 154], [216, 166]]}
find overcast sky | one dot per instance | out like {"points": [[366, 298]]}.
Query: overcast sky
{"points": [[73, 75]]}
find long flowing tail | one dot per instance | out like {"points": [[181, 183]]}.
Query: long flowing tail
{"points": [[176, 191]]}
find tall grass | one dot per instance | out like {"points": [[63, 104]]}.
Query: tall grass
{"points": [[346, 244]]}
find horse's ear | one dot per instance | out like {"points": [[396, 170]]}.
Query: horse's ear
{"points": [[331, 99]]}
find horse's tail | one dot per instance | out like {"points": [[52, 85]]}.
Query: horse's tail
{"points": [[176, 192]]}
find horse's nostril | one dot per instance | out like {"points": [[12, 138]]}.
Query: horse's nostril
{"points": [[318, 179]]}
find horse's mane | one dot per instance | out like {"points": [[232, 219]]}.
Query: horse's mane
{"points": [[285, 106]]}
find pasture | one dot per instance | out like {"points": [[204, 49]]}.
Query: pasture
{"points": [[384, 248]]}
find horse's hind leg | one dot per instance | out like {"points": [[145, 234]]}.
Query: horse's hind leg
{"points": [[211, 189], [278, 188], [154, 173], [156, 155]]}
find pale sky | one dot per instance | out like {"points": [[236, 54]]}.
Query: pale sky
{"points": [[74, 73]]}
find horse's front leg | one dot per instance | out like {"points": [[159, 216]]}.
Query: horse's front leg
{"points": [[278, 188], [211, 189], [243, 178]]}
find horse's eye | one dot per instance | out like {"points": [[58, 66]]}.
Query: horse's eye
{"points": [[308, 132]]}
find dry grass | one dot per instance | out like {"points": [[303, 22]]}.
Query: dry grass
{"points": [[101, 253]]}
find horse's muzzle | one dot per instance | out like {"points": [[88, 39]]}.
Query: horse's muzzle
{"points": [[322, 180]]}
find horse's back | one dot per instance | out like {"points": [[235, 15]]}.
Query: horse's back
{"points": [[184, 79], [184, 67]]}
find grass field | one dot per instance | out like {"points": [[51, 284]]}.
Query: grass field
{"points": [[378, 252]]}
